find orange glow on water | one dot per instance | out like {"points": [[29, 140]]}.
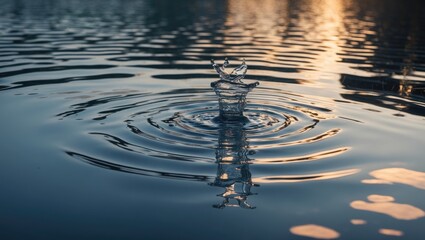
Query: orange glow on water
{"points": [[390, 232], [304, 178], [314, 231], [385, 205], [358, 221], [401, 175], [380, 198], [375, 181]]}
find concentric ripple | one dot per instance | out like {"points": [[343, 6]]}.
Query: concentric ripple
{"points": [[177, 134]]}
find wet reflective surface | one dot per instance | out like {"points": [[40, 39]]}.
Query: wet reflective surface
{"points": [[108, 121]]}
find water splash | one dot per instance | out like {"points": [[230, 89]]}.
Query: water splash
{"points": [[235, 76], [231, 91]]}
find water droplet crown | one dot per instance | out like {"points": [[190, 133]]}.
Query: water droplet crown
{"points": [[231, 91]]}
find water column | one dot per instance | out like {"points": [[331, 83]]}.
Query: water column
{"points": [[231, 91]]}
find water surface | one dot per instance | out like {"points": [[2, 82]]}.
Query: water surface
{"points": [[108, 123]]}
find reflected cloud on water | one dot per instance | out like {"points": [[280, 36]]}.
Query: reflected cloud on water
{"points": [[391, 232], [358, 221], [398, 175], [376, 203], [314, 231], [385, 205]]}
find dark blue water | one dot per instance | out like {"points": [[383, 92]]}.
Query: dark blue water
{"points": [[109, 131]]}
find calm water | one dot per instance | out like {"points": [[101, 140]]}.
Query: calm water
{"points": [[108, 132]]}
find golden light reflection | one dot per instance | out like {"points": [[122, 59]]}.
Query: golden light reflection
{"points": [[400, 175], [304, 178], [358, 222], [303, 158], [313, 139], [259, 23], [375, 181], [390, 232], [385, 205], [314, 231], [264, 16], [380, 198], [325, 24], [308, 36]]}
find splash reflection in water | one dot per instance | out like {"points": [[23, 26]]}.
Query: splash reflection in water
{"points": [[233, 172]]}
